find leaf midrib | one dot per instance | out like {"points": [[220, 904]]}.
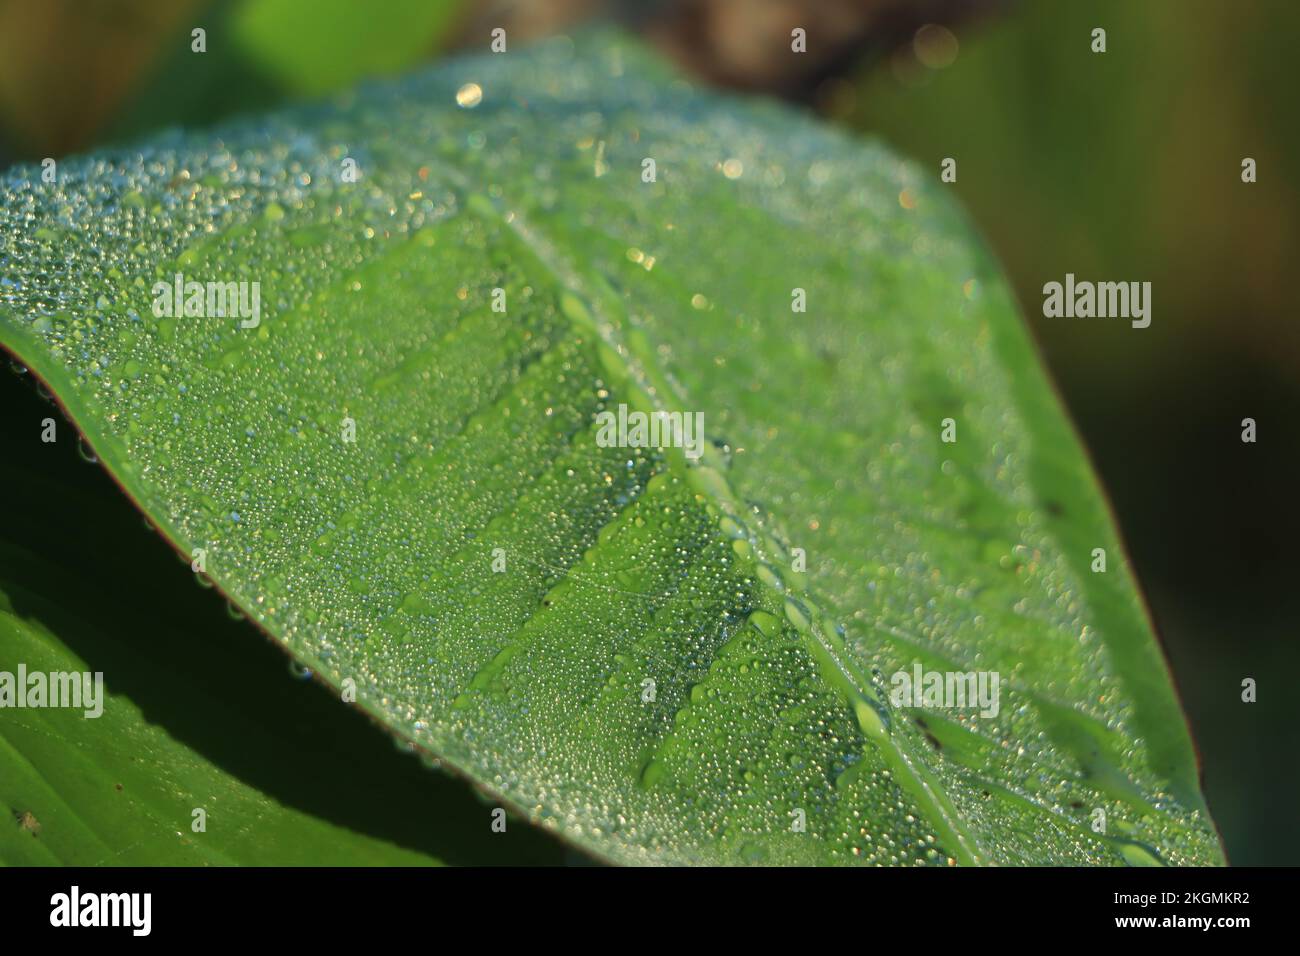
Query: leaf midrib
{"points": [[647, 385]]}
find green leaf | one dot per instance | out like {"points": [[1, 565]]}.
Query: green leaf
{"points": [[260, 53], [318, 46], [477, 441], [91, 789], [200, 711]]}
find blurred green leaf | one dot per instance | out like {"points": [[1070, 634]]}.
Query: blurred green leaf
{"points": [[262, 52], [317, 46]]}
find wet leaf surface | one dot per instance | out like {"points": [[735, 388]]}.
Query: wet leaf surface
{"points": [[663, 657]]}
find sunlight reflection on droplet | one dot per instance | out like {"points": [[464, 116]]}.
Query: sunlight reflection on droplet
{"points": [[469, 96]]}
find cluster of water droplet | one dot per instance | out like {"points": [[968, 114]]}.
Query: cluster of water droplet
{"points": [[623, 569]]}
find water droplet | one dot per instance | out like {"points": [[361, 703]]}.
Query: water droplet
{"points": [[1138, 854], [469, 96], [797, 615], [299, 671]]}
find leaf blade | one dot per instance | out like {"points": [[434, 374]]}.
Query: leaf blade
{"points": [[478, 430], [200, 710]]}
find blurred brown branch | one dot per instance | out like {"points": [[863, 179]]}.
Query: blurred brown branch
{"points": [[746, 44]]}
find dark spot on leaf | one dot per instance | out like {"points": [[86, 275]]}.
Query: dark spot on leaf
{"points": [[931, 738]]}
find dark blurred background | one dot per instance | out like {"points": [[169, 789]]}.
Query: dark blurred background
{"points": [[1117, 166]]}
